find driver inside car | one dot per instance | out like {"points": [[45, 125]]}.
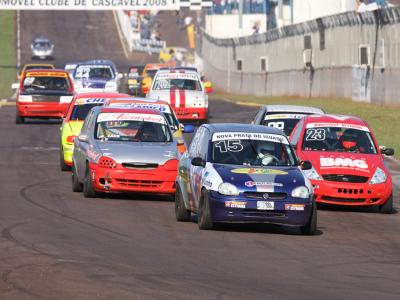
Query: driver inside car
{"points": [[267, 154]]}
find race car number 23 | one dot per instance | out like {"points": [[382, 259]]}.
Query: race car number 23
{"points": [[315, 135], [230, 145]]}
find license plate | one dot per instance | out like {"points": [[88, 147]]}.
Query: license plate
{"points": [[265, 205]]}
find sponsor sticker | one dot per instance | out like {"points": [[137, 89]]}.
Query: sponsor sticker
{"points": [[82, 101], [160, 107], [177, 75], [235, 204], [262, 183], [283, 116], [265, 205], [294, 207], [339, 125], [105, 117], [221, 136], [342, 162], [46, 74], [258, 171]]}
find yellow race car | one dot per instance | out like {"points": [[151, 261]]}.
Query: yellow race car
{"points": [[73, 121]]}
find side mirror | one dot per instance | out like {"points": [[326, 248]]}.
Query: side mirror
{"points": [[208, 87], [15, 85], [188, 128], [306, 165], [387, 151], [198, 162], [83, 138]]}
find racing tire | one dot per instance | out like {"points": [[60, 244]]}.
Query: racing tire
{"points": [[311, 227], [19, 119], [88, 190], [204, 220], [63, 165], [181, 213], [387, 207], [76, 185]]}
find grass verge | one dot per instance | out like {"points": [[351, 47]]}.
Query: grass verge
{"points": [[384, 120], [8, 68]]}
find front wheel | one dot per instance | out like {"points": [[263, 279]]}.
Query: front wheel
{"points": [[204, 220], [88, 190], [387, 207], [181, 213], [311, 227], [76, 185]]}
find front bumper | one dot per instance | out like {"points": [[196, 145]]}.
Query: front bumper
{"points": [[155, 181], [68, 151], [191, 113], [42, 109], [291, 211], [351, 194]]}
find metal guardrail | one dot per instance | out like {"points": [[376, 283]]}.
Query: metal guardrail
{"points": [[378, 17]]}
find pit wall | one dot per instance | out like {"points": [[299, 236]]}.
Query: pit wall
{"points": [[347, 55]]}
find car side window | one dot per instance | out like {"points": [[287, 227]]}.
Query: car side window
{"points": [[194, 145], [297, 132], [87, 123], [203, 144]]}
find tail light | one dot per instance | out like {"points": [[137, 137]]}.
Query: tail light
{"points": [[71, 138], [107, 163], [171, 165]]}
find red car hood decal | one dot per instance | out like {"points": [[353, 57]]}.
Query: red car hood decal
{"points": [[343, 163]]}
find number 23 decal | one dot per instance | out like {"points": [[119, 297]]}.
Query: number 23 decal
{"points": [[315, 135], [231, 145]]}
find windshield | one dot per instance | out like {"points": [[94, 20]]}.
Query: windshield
{"points": [[134, 128], [94, 72], [80, 112], [338, 139], [283, 121], [37, 67], [46, 83], [42, 45], [151, 73], [253, 152]]}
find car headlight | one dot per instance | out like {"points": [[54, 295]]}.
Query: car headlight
{"points": [[301, 192], [228, 189], [379, 176], [312, 174]]}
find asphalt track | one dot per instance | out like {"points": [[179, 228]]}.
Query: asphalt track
{"points": [[55, 244]]}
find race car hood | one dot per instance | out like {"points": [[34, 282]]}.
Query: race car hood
{"points": [[181, 98], [255, 179], [129, 152], [344, 163]]}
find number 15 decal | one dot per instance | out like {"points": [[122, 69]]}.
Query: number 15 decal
{"points": [[231, 145]]}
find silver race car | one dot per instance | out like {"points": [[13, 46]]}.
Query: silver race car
{"points": [[124, 150], [283, 117], [42, 48]]}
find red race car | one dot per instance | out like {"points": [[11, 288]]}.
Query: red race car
{"points": [[43, 94], [348, 166]]}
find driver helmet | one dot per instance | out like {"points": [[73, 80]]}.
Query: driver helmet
{"points": [[349, 139]]}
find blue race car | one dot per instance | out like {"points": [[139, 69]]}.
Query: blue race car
{"points": [[96, 76], [244, 173]]}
